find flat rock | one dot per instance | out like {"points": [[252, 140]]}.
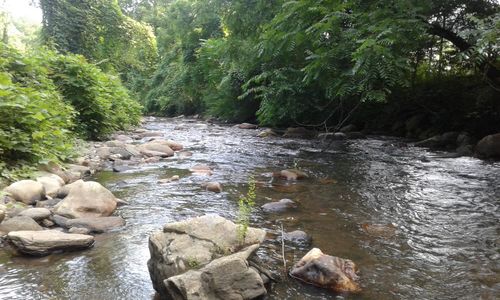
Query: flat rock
{"points": [[93, 224], [41, 243], [18, 223], [37, 213], [26, 191]]}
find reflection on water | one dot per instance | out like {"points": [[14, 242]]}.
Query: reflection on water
{"points": [[446, 211]]}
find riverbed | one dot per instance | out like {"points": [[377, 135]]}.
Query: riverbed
{"points": [[442, 217]]}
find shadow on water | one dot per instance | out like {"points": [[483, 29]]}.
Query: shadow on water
{"points": [[445, 213]]}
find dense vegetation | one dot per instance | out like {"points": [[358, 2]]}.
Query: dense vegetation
{"points": [[48, 99], [381, 65]]}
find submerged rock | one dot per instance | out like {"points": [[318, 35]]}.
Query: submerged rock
{"points": [[86, 199], [41, 243], [26, 191], [381, 230], [193, 243], [278, 206], [326, 271], [292, 174], [201, 170], [489, 146], [228, 277], [298, 237]]}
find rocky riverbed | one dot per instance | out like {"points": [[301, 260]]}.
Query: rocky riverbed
{"points": [[404, 218]]}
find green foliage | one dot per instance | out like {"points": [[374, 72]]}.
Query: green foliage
{"points": [[98, 30], [245, 206], [102, 103], [36, 123]]}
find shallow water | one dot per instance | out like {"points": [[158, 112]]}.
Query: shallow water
{"points": [[446, 213]]}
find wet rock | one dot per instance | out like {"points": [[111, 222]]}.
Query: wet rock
{"points": [[86, 199], [18, 223], [439, 141], [36, 214], [212, 187], [267, 133], [326, 271], [332, 136], [193, 243], [278, 206], [174, 145], [120, 202], [465, 150], [380, 230], [119, 168], [26, 191], [464, 139], [292, 174], [41, 243], [201, 170], [247, 126], [93, 224], [299, 133], [228, 277], [348, 128], [51, 184], [156, 148], [298, 237], [489, 146], [168, 180]]}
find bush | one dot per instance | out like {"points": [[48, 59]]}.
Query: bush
{"points": [[102, 103], [35, 121]]}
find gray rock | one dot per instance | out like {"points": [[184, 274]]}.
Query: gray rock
{"points": [[489, 146], [298, 237], [86, 199], [26, 191], [228, 277], [79, 230], [122, 152], [48, 203], [326, 271], [156, 146], [47, 223], [19, 223], [103, 152], [278, 206], [93, 224], [212, 187], [247, 126], [193, 243], [36, 214], [41, 243], [300, 133], [51, 183]]}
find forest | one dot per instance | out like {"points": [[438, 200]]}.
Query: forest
{"points": [[95, 66]]}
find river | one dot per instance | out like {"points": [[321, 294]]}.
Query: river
{"points": [[445, 211]]}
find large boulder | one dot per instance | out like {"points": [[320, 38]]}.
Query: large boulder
{"points": [[19, 223], [37, 213], [156, 146], [93, 224], [51, 183], [193, 243], [45, 242], [26, 191], [489, 146], [228, 277], [85, 199], [326, 271]]}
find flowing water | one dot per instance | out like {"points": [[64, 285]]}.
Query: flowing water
{"points": [[445, 211]]}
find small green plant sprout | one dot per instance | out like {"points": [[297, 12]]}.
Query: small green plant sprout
{"points": [[245, 206], [193, 263]]}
